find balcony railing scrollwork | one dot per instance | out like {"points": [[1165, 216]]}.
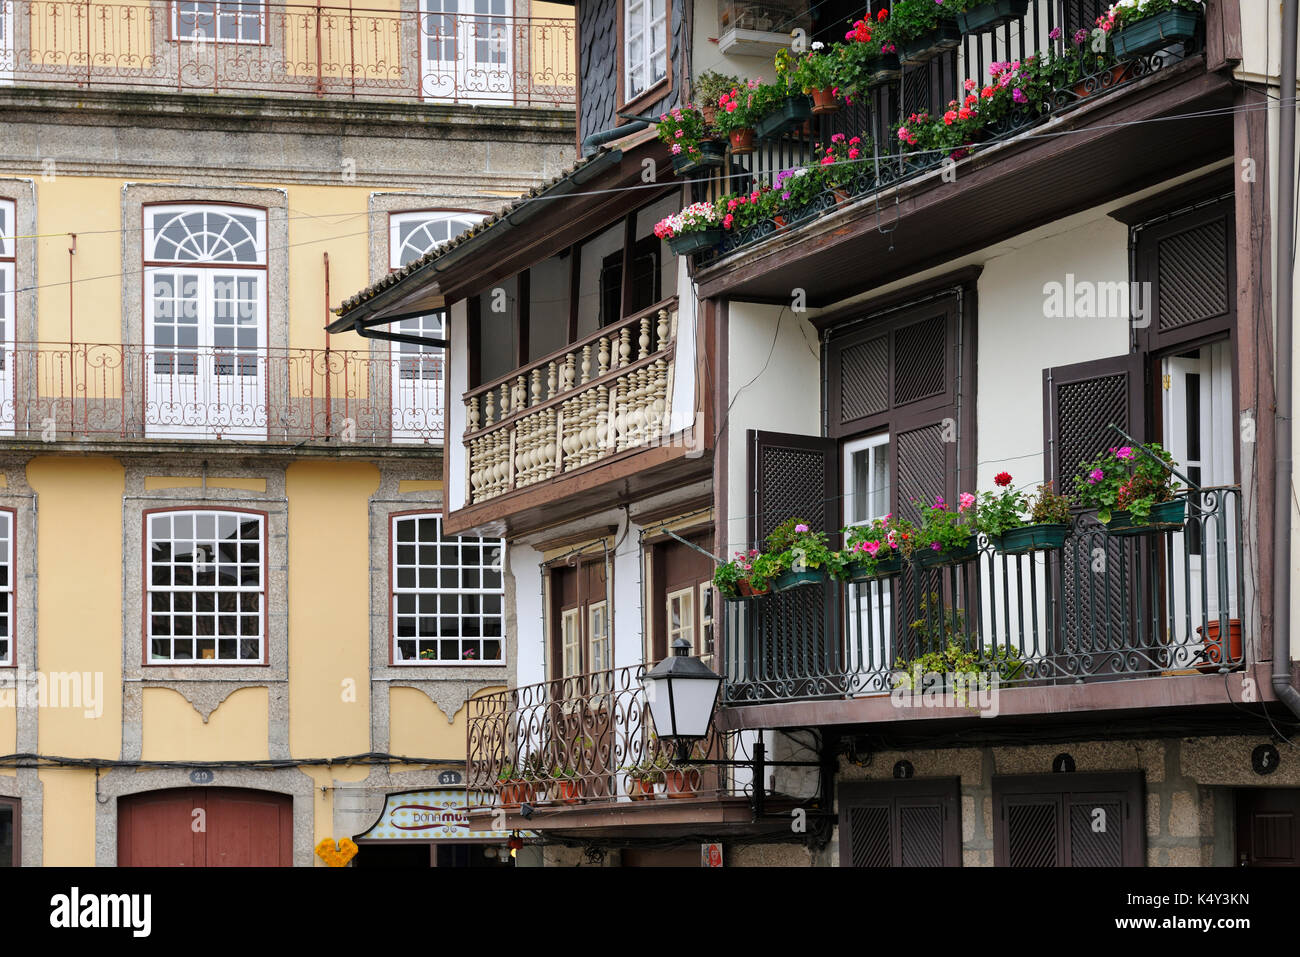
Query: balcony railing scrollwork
{"points": [[1105, 607], [601, 396]]}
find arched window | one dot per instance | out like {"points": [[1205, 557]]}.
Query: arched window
{"points": [[417, 370], [205, 320]]}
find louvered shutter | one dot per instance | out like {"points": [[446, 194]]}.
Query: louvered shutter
{"points": [[1082, 401], [900, 823], [794, 634], [1069, 820]]}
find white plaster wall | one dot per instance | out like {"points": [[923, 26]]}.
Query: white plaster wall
{"points": [[773, 384], [1016, 341], [457, 366], [704, 49], [525, 566]]}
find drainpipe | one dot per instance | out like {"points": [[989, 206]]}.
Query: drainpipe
{"points": [[1282, 685], [595, 140]]}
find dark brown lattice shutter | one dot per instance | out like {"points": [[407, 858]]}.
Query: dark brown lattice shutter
{"points": [[795, 476], [1069, 820], [900, 823]]}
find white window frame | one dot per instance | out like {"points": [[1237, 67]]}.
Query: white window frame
{"points": [[707, 623], [207, 549], [8, 560], [8, 305], [571, 642], [437, 594], [651, 55], [238, 14], [686, 622], [206, 388], [876, 444], [481, 36], [598, 645]]}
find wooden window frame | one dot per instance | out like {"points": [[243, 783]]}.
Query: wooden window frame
{"points": [[656, 91], [17, 805], [147, 590]]}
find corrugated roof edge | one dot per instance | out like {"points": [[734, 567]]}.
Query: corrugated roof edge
{"points": [[575, 175]]}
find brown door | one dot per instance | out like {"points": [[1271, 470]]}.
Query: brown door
{"points": [[205, 827], [1268, 827]]}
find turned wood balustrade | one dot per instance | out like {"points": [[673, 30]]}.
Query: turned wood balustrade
{"points": [[598, 397]]}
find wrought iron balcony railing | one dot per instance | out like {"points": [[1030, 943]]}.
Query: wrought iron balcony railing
{"points": [[1105, 607], [51, 391], [215, 46], [587, 740], [928, 86], [603, 395]]}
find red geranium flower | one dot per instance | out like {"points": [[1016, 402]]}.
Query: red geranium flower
{"points": [[1002, 479]]}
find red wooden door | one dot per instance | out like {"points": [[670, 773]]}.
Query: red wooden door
{"points": [[205, 827]]}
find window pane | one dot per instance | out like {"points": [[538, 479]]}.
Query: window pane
{"points": [[498, 348], [595, 260], [548, 306]]}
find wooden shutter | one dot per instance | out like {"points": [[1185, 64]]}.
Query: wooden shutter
{"points": [[901, 823], [795, 634], [1268, 827], [1069, 820]]}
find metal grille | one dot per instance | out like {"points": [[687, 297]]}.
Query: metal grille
{"points": [[864, 379], [1084, 409], [921, 836], [1193, 275], [869, 836], [1081, 14], [919, 351], [791, 486], [1031, 835], [1090, 847]]}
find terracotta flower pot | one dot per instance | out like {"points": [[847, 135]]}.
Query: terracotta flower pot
{"points": [[825, 101], [747, 589], [681, 784], [742, 141], [514, 793], [1214, 645], [1099, 82], [641, 790]]}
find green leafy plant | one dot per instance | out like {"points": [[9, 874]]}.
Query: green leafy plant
{"points": [[728, 575], [877, 541], [998, 512], [943, 529], [1049, 508], [857, 59], [797, 547], [710, 86], [909, 19], [507, 774], [808, 71], [1127, 478], [1127, 12], [683, 128], [949, 648]]}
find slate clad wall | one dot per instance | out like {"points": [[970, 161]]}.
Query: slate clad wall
{"points": [[598, 44]]}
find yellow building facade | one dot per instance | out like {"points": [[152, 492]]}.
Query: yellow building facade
{"points": [[233, 628]]}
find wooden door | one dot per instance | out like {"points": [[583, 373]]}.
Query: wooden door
{"points": [[1268, 827], [205, 827]]}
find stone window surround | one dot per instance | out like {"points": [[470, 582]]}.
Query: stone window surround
{"points": [[24, 783], [205, 687], [22, 192], [447, 686]]}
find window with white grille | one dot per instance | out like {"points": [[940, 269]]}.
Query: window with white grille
{"points": [[206, 587], [447, 596]]}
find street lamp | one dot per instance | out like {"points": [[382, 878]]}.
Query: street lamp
{"points": [[681, 691]]}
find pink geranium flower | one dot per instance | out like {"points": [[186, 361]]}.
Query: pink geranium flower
{"points": [[801, 528], [967, 500]]}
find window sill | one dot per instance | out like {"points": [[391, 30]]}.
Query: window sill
{"points": [[643, 100]]}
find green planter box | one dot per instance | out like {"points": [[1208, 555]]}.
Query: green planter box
{"points": [[886, 567], [886, 69], [712, 153], [1144, 36], [929, 558], [1030, 538], [687, 243], [1165, 517], [988, 16], [929, 45], [791, 113], [789, 580]]}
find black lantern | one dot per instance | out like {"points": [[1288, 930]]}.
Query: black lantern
{"points": [[681, 691]]}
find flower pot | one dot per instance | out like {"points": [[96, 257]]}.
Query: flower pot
{"points": [[570, 791], [988, 16], [779, 219], [710, 114], [825, 101], [1102, 81], [1030, 538], [683, 244], [515, 793], [929, 45], [640, 789], [712, 153], [747, 590], [1145, 36], [681, 784], [842, 195], [886, 69], [929, 558], [787, 116], [884, 568], [788, 580], [1165, 517], [742, 141], [1214, 645]]}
